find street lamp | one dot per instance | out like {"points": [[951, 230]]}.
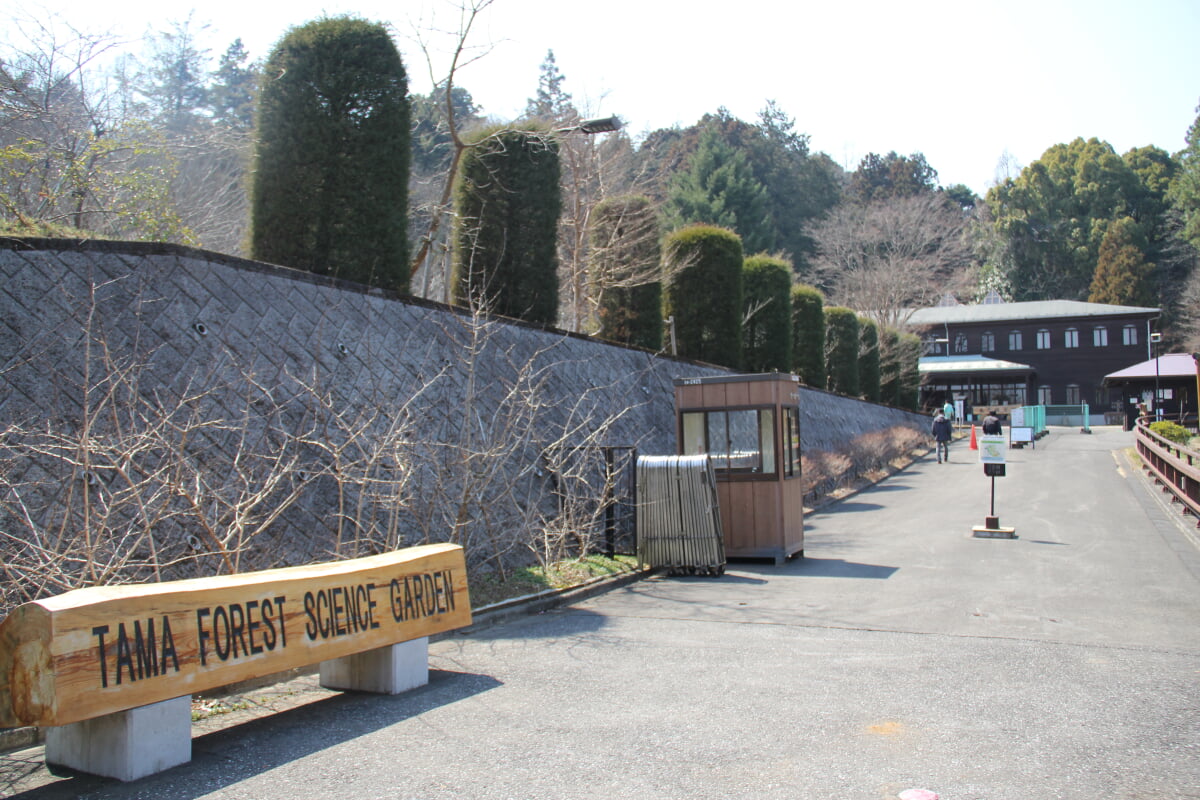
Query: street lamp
{"points": [[1156, 339], [590, 126]]}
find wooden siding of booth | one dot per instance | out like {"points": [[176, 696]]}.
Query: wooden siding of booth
{"points": [[762, 514]]}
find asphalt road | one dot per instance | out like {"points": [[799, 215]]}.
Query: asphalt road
{"points": [[901, 652]]}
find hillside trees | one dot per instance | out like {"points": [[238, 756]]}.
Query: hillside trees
{"points": [[507, 204], [1122, 275], [893, 255], [1053, 216], [71, 153], [704, 293], [767, 316], [719, 188], [868, 359], [331, 178], [626, 272]]}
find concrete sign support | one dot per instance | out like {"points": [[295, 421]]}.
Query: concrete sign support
{"points": [[992, 454]]}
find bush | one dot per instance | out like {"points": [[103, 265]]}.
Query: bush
{"points": [[1171, 431], [868, 359]]}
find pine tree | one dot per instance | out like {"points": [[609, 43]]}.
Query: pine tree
{"points": [[330, 190]]}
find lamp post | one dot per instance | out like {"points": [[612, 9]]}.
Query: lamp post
{"points": [[590, 126], [1156, 339]]}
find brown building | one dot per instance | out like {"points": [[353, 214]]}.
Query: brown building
{"points": [[1051, 352]]}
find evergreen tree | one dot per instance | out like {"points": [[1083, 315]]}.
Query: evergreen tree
{"points": [[330, 188], [808, 335], [841, 350], [1122, 274], [719, 188], [231, 94], [909, 380], [173, 84], [767, 315], [552, 104], [704, 293], [889, 365], [507, 202], [868, 360], [1184, 191], [626, 256]]}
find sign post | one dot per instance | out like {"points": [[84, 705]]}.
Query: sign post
{"points": [[992, 454]]}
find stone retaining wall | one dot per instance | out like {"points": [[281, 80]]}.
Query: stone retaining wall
{"points": [[358, 411]]}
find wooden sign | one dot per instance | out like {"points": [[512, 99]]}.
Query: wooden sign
{"points": [[105, 649]]}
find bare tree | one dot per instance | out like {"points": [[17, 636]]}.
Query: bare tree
{"points": [[888, 258]]}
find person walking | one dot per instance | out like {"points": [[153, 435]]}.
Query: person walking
{"points": [[991, 424], [948, 410], [942, 431]]}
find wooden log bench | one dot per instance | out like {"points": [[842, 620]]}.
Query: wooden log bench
{"points": [[109, 671]]}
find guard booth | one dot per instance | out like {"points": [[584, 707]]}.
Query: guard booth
{"points": [[750, 426]]}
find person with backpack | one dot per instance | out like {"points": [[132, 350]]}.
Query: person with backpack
{"points": [[942, 432], [991, 424]]}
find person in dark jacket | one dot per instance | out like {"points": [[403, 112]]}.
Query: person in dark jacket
{"points": [[991, 424], [942, 432]]}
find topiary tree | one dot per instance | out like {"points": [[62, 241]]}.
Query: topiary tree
{"points": [[704, 294], [841, 350], [889, 365], [506, 203], [868, 359], [808, 335], [625, 271], [330, 187], [767, 314], [909, 381]]}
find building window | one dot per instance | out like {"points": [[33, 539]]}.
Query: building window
{"points": [[1073, 395], [1044, 396], [1014, 340], [1100, 336], [960, 343], [1129, 334], [1043, 339], [987, 342], [1071, 338]]}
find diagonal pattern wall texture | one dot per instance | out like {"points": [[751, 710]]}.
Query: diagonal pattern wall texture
{"points": [[170, 411]]}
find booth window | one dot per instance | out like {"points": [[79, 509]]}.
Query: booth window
{"points": [[791, 442], [740, 441]]}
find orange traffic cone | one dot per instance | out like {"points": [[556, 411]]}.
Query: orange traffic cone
{"points": [[974, 444]]}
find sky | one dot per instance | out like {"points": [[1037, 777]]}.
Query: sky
{"points": [[973, 85]]}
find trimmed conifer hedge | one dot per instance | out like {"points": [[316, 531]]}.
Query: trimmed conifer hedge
{"points": [[767, 314], [330, 186], [808, 335], [626, 270], [841, 348], [507, 203], [704, 293]]}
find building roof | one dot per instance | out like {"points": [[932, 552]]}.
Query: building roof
{"points": [[976, 363], [1171, 365], [1036, 309]]}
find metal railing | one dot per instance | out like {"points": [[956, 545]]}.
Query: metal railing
{"points": [[1173, 466]]}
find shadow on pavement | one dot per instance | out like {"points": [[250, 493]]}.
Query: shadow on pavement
{"points": [[223, 758]]}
